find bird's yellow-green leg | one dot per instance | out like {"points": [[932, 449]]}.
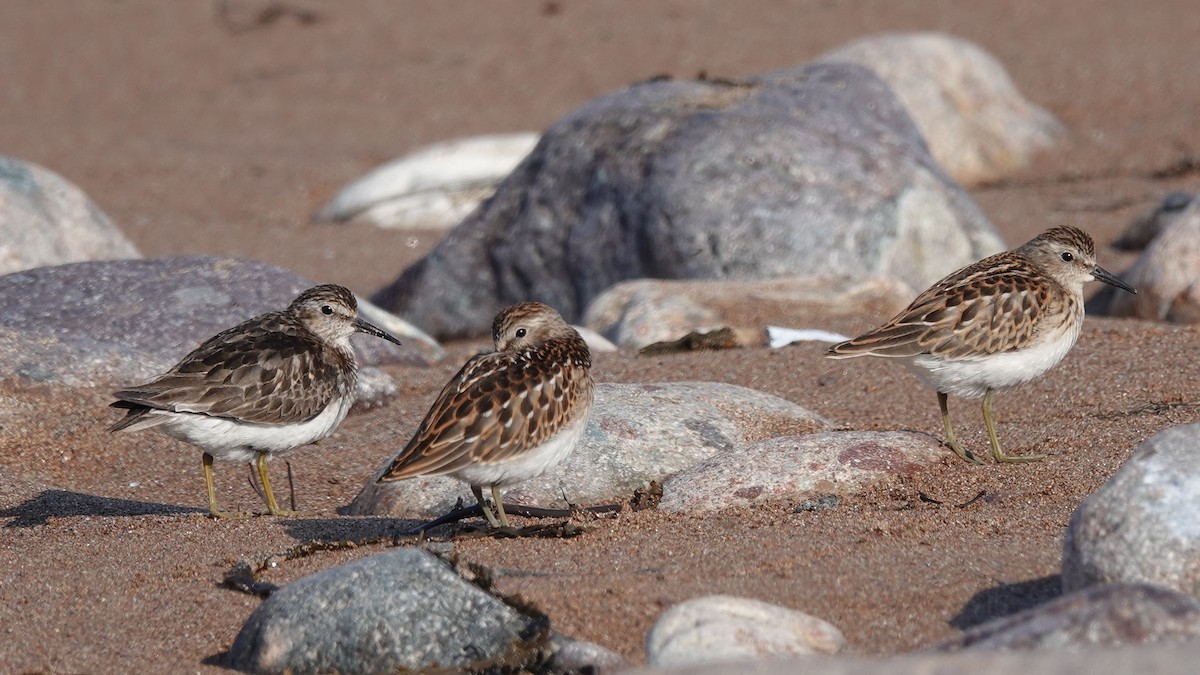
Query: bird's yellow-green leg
{"points": [[213, 508], [991, 430], [260, 463], [475, 489], [499, 505], [951, 441]]}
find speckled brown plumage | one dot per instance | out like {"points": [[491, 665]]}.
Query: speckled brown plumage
{"points": [[278, 381], [503, 407], [994, 324], [269, 370]]}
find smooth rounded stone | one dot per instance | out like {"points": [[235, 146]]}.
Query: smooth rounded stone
{"points": [[637, 433], [1109, 615], [434, 186], [644, 311], [651, 318], [596, 342], [570, 656], [401, 610], [1143, 229], [1141, 525], [726, 628], [816, 168], [133, 319], [46, 220], [796, 468], [1166, 275], [978, 125]]}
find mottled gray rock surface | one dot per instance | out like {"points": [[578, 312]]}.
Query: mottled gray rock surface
{"points": [[797, 468], [978, 126], [807, 171], [45, 220], [1109, 615], [405, 609], [133, 319], [1141, 526], [637, 433], [725, 628]]}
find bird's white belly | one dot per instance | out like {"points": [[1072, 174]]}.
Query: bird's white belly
{"points": [[973, 377], [530, 464], [240, 442]]}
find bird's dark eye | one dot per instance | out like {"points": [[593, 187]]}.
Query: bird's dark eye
{"points": [[326, 310], [1067, 256], [520, 332]]}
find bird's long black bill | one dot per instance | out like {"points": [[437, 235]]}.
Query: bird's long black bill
{"points": [[1111, 279], [371, 329]]}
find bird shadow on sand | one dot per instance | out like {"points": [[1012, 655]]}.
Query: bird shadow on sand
{"points": [[365, 530], [1006, 599], [219, 659], [64, 504]]}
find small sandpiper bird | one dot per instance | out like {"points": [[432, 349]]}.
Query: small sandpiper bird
{"points": [[1000, 322], [276, 382], [508, 415]]}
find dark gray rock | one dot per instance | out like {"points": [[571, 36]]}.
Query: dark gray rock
{"points": [[1109, 615], [798, 468], [637, 433], [45, 220], [807, 171], [405, 609], [132, 319], [1141, 526]]}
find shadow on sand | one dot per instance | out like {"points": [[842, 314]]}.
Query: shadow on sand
{"points": [[64, 503], [1006, 599]]}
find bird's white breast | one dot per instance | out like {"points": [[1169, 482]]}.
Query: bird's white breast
{"points": [[239, 441], [530, 464], [972, 377]]}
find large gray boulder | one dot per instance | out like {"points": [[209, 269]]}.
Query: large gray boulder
{"points": [[637, 433], [1141, 526], [402, 610], [46, 220], [132, 319], [978, 125], [806, 171]]}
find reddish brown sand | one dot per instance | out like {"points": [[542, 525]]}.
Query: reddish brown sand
{"points": [[203, 130]]}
